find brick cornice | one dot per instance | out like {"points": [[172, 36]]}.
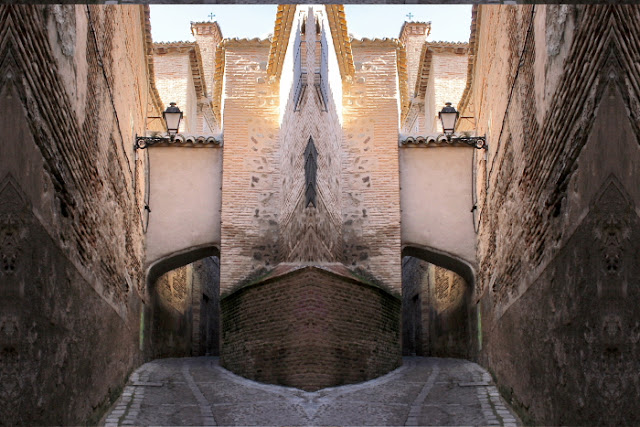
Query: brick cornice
{"points": [[216, 101], [280, 39], [206, 28], [473, 51], [341, 39], [156, 101]]}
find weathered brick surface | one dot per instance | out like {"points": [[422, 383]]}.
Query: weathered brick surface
{"points": [[446, 85], [250, 188], [264, 217], [175, 84], [413, 36], [549, 282], [75, 88], [170, 314], [206, 280], [310, 328], [370, 178], [207, 35]]}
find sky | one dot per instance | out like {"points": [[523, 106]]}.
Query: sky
{"points": [[171, 23]]}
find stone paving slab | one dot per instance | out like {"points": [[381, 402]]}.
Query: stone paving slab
{"points": [[198, 391]]}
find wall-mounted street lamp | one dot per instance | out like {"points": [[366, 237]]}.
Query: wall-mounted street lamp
{"points": [[172, 116], [449, 117]]}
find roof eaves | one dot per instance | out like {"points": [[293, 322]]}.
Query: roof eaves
{"points": [[341, 39], [473, 51], [403, 78], [156, 101], [280, 39], [216, 101]]}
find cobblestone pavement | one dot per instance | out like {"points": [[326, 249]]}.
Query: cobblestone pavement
{"points": [[198, 391]]}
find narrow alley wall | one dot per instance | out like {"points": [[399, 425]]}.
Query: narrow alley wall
{"points": [[558, 193], [72, 80]]}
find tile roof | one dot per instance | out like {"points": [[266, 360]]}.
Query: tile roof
{"points": [[437, 140], [194, 140]]}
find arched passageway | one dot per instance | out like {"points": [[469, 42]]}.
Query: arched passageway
{"points": [[438, 314], [182, 312]]}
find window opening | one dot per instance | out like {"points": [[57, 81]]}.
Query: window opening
{"points": [[310, 169]]}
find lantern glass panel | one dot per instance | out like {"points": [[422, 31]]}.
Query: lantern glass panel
{"points": [[172, 116], [173, 122]]}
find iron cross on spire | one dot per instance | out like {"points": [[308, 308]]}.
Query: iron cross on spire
{"points": [[211, 16], [410, 15]]}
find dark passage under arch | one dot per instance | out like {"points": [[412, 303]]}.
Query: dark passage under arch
{"points": [[438, 314]]}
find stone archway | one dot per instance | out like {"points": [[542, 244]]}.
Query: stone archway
{"points": [[438, 314], [181, 315]]}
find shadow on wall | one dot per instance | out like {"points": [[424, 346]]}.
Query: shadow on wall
{"points": [[437, 314], [183, 315]]}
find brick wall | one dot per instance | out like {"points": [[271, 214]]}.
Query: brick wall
{"points": [[413, 36], [556, 311], [206, 281], [415, 326], [311, 233], [74, 88], [447, 83], [370, 180], [207, 35], [251, 179], [175, 84], [170, 318], [293, 328]]}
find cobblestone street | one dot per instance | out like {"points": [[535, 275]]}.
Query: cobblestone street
{"points": [[197, 391]]}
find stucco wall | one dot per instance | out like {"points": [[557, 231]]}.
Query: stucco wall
{"points": [[436, 200], [184, 199]]}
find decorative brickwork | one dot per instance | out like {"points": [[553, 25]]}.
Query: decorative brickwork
{"points": [[311, 233], [371, 214]]}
